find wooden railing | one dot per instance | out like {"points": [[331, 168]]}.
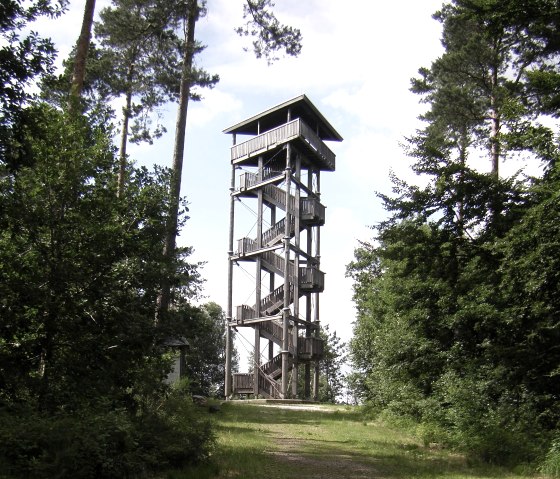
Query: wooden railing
{"points": [[318, 145], [268, 387], [312, 212], [277, 263], [243, 383], [271, 235], [266, 140], [276, 331], [283, 134], [246, 246], [273, 368], [310, 348], [245, 312], [277, 196], [270, 302], [311, 279]]}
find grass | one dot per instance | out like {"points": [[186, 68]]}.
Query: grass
{"points": [[260, 441]]}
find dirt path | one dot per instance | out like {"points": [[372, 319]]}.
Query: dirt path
{"points": [[335, 465], [308, 441], [317, 457]]}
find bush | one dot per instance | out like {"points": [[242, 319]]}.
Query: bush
{"points": [[176, 435], [100, 444], [484, 419], [551, 463], [103, 444]]}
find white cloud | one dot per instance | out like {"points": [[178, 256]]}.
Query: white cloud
{"points": [[339, 238], [215, 103]]}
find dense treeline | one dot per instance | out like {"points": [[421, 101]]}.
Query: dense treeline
{"points": [[82, 361], [93, 289], [458, 294]]}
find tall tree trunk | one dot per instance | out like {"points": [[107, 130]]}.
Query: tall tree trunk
{"points": [[124, 133], [463, 146], [494, 127], [178, 154], [82, 51], [495, 150]]}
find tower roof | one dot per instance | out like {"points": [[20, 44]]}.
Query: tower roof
{"points": [[299, 107]]}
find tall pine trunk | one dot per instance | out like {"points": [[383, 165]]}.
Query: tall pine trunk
{"points": [[178, 154], [82, 51], [124, 133], [495, 147], [494, 125]]}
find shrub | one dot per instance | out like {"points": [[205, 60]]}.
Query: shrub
{"points": [[551, 463], [86, 445], [106, 444]]}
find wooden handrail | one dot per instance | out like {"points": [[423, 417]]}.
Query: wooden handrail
{"points": [[282, 134]]}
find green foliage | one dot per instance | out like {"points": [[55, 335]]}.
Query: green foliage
{"points": [[551, 464], [331, 381], [22, 60], [82, 355], [204, 329], [80, 270], [81, 358], [103, 443], [457, 297], [142, 54], [270, 35]]}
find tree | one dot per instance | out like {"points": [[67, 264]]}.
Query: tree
{"points": [[82, 48], [81, 361], [478, 88], [205, 332], [271, 37], [24, 58], [530, 288], [141, 45], [80, 271], [331, 382], [443, 325], [189, 14]]}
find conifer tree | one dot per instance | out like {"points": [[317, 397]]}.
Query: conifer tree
{"points": [[271, 37], [442, 306]]}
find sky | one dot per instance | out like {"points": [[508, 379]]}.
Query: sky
{"points": [[357, 60]]}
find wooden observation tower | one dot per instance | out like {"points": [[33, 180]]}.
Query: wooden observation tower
{"points": [[276, 175]]}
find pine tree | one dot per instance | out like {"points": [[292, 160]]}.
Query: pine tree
{"points": [[443, 322]]}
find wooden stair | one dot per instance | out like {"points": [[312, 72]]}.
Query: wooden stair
{"points": [[309, 279]]}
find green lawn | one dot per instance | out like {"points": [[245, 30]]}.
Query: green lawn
{"points": [[260, 441]]}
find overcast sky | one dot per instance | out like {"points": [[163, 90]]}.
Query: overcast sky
{"points": [[357, 60]]}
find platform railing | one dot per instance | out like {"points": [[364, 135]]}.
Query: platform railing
{"points": [[282, 134]]}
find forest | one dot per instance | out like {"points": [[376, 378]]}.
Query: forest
{"points": [[95, 293], [457, 292]]}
